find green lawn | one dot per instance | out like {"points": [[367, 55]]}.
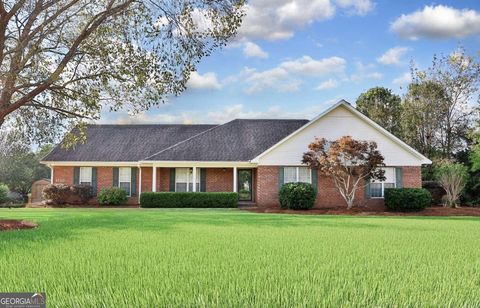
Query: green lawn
{"points": [[230, 258]]}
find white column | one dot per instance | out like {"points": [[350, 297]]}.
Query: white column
{"points": [[194, 179], [154, 179], [139, 182], [51, 174], [235, 186]]}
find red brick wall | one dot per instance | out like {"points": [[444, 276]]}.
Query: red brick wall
{"points": [[63, 175], [146, 179], [163, 179], [219, 179], [412, 176], [267, 186]]}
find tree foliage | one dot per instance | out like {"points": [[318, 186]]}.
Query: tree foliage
{"points": [[63, 61], [452, 177], [382, 106], [349, 162]]}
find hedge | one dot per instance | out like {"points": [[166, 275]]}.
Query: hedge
{"points": [[407, 199], [189, 199], [112, 196], [57, 194], [297, 196]]}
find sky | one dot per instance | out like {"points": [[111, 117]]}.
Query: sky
{"points": [[295, 58]]}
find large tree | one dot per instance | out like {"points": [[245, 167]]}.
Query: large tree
{"points": [[62, 61], [350, 163], [383, 107]]}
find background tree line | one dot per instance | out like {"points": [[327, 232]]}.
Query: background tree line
{"points": [[438, 115]]}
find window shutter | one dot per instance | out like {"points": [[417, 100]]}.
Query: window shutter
{"points": [[76, 175], [399, 177], [115, 177], [315, 179], [133, 181], [203, 179], [280, 177], [172, 179], [367, 189], [94, 181]]}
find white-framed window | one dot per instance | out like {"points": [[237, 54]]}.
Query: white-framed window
{"points": [[377, 188], [184, 180], [297, 174], [125, 179], [85, 176]]}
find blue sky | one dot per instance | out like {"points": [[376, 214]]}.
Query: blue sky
{"points": [[294, 58]]}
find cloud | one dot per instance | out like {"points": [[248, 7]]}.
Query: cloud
{"points": [[439, 22], [393, 55], [326, 85], [357, 7], [160, 118], [279, 19], [403, 80], [207, 81], [286, 76], [364, 72], [252, 50]]}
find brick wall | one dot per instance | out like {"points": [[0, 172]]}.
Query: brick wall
{"points": [[146, 179], [163, 179], [267, 186], [219, 179], [412, 176], [63, 175]]}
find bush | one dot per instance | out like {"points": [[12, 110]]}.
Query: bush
{"points": [[189, 199], [112, 196], [453, 178], [58, 194], [4, 191], [297, 196], [407, 199], [436, 190]]}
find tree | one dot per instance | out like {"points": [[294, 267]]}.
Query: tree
{"points": [[383, 107], [63, 61], [349, 162], [452, 177], [451, 85]]}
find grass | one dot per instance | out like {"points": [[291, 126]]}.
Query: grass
{"points": [[230, 258]]}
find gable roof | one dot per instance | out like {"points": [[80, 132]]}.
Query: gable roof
{"points": [[344, 103], [238, 140], [118, 143]]}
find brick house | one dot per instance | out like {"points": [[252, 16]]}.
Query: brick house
{"points": [[251, 157]]}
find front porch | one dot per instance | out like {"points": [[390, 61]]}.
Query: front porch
{"points": [[189, 177]]}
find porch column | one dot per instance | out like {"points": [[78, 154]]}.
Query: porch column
{"points": [[154, 179], [235, 179], [139, 181], [51, 174], [194, 179]]}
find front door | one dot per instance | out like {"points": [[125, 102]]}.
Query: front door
{"points": [[245, 185]]}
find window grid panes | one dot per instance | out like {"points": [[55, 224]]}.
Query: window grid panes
{"points": [[297, 174], [124, 179], [184, 180], [85, 176], [377, 188]]}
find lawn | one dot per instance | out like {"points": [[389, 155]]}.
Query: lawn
{"points": [[231, 258]]}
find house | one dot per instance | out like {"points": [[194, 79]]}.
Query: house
{"points": [[251, 157]]}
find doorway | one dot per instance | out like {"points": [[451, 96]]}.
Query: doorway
{"points": [[245, 185]]}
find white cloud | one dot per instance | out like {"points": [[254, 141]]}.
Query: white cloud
{"points": [[160, 118], [364, 72], [357, 7], [403, 80], [285, 77], [279, 19], [207, 81], [326, 85], [437, 22], [252, 50], [393, 55]]}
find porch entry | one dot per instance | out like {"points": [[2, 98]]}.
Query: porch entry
{"points": [[245, 185]]}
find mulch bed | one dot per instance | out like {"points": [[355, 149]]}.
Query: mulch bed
{"points": [[362, 211], [14, 224]]}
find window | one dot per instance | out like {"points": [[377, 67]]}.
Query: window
{"points": [[124, 179], [85, 176], [297, 174], [377, 188], [184, 180]]}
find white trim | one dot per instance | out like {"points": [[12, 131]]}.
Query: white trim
{"points": [[139, 183], [235, 180], [212, 164], [154, 179], [91, 163], [51, 173], [424, 160], [194, 179]]}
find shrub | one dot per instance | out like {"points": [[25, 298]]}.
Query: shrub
{"points": [[435, 190], [4, 191], [297, 196], [189, 199], [453, 178], [58, 194], [112, 196], [407, 199]]}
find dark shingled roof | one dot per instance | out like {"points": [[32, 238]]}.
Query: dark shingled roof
{"points": [[125, 142], [238, 140]]}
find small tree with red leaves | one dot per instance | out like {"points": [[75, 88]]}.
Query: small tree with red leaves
{"points": [[349, 162]]}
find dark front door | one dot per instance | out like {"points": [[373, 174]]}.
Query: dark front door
{"points": [[245, 185]]}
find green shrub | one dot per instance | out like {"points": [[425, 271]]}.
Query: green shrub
{"points": [[4, 193], [297, 196], [112, 196], [57, 194], [407, 199], [189, 199]]}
